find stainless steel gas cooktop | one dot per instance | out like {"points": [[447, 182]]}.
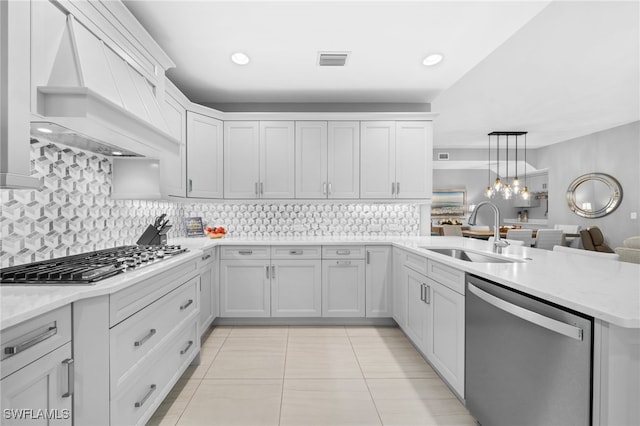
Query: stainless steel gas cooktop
{"points": [[87, 268]]}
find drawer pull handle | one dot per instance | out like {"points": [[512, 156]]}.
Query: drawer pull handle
{"points": [[184, 351], [186, 305], [343, 252], [145, 338], [296, 252], [343, 262], [12, 350], [427, 295], [245, 251], [152, 389], [206, 257], [70, 377]]}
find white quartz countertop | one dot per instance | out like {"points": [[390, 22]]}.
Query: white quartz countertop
{"points": [[605, 289]]}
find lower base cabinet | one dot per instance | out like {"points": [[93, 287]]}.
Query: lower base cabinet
{"points": [[209, 289], [296, 288], [245, 288], [417, 325], [39, 391]]}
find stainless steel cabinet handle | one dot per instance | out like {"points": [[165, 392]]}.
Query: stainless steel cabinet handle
{"points": [[267, 268], [329, 193], [186, 305], [70, 377], [527, 315], [139, 404], [427, 295], [184, 351], [261, 189], [343, 252], [190, 185], [296, 252], [206, 257], [12, 350], [145, 338], [273, 272], [368, 257], [397, 188], [324, 188], [343, 262], [245, 251], [422, 292], [393, 188]]}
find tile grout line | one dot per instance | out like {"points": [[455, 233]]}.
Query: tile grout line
{"points": [[284, 372], [366, 383]]}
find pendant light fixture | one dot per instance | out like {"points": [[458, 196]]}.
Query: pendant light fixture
{"points": [[489, 192], [507, 190]]}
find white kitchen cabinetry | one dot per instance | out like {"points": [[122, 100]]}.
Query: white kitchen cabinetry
{"points": [[343, 282], [296, 284], [204, 156], [245, 281], [37, 369], [378, 279], [15, 38], [417, 326], [396, 159], [209, 288], [327, 159], [399, 289], [173, 163], [259, 159], [445, 345]]}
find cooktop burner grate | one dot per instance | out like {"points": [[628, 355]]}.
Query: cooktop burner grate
{"points": [[87, 268]]}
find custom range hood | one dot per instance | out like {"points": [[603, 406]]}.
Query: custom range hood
{"points": [[95, 100]]}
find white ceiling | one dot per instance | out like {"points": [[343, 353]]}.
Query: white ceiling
{"points": [[557, 70]]}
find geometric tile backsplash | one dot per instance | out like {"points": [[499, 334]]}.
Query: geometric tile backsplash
{"points": [[73, 212]]}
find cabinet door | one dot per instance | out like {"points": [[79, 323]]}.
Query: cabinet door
{"points": [[343, 288], [311, 159], [399, 290], [417, 313], [241, 159], [245, 288], [445, 347], [378, 282], [296, 288], [173, 164], [414, 154], [39, 386], [377, 159], [204, 156], [277, 159], [343, 169]]}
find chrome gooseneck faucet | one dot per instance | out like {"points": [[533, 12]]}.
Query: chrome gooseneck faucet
{"points": [[498, 243]]}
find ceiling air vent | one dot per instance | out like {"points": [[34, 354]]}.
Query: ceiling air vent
{"points": [[333, 59], [443, 156]]}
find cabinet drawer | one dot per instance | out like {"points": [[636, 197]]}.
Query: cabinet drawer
{"points": [[296, 252], [136, 337], [137, 401], [447, 276], [414, 261], [207, 258], [26, 342], [343, 252], [245, 252]]}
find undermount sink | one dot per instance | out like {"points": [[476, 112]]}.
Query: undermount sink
{"points": [[470, 256]]}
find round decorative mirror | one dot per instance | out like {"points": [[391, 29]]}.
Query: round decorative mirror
{"points": [[594, 195]]}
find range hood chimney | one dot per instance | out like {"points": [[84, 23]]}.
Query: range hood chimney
{"points": [[96, 101]]}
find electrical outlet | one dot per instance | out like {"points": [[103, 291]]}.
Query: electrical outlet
{"points": [[633, 215]]}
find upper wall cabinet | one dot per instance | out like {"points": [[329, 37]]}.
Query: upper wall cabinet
{"points": [[204, 156], [259, 159], [396, 159], [173, 163], [327, 159], [15, 166]]}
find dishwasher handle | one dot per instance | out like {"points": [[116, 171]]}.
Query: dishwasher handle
{"points": [[527, 315]]}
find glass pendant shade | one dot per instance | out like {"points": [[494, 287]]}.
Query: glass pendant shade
{"points": [[507, 192], [489, 192], [497, 185], [525, 193], [515, 185]]}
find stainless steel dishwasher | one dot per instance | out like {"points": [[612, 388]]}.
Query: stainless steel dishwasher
{"points": [[527, 362]]}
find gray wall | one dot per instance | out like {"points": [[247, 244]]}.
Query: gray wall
{"points": [[614, 151]]}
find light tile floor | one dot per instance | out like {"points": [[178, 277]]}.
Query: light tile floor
{"points": [[295, 376]]}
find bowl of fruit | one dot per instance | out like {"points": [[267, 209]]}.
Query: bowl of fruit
{"points": [[217, 232]]}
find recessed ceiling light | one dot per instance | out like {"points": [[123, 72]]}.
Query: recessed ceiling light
{"points": [[240, 58], [433, 59], [116, 153], [44, 130]]}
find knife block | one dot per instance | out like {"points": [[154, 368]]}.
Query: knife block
{"points": [[154, 237]]}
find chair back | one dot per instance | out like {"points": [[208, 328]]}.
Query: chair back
{"points": [[524, 235], [547, 238], [568, 229], [479, 228], [452, 230], [593, 240], [511, 242], [599, 254]]}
